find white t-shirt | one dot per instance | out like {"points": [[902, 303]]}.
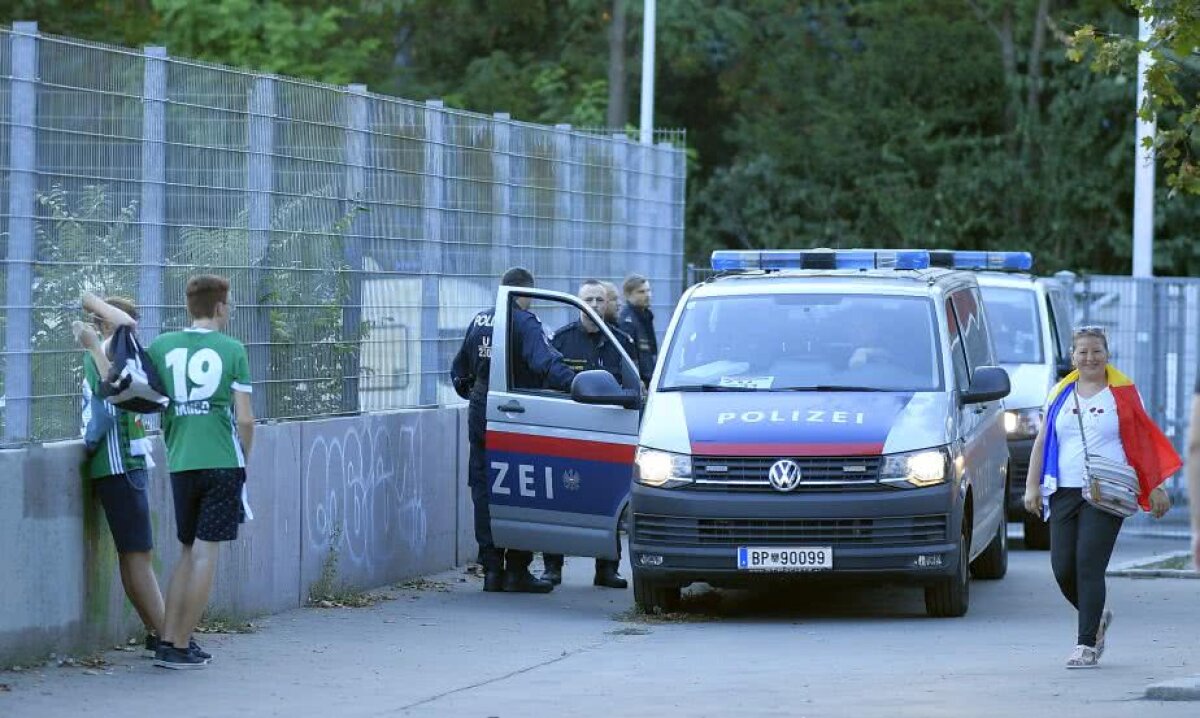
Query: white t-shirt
{"points": [[1103, 436]]}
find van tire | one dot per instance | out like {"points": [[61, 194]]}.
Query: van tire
{"points": [[951, 596], [992, 564], [1037, 534], [652, 598]]}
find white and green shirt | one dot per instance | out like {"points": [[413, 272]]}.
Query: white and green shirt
{"points": [[201, 369], [124, 446]]}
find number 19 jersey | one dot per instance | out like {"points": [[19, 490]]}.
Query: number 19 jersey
{"points": [[201, 369]]}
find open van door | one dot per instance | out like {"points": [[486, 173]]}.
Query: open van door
{"points": [[559, 470]]}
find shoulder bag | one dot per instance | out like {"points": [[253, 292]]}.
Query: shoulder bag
{"points": [[1111, 486]]}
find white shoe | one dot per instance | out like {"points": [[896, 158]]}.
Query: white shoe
{"points": [[1083, 657]]}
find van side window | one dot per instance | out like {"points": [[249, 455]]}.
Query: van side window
{"points": [[968, 308], [1060, 332], [957, 352]]}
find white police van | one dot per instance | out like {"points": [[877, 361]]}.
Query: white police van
{"points": [[1030, 322], [812, 413]]}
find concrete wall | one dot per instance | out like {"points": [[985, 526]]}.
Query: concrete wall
{"points": [[364, 500]]}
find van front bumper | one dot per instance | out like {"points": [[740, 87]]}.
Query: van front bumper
{"points": [[679, 536]]}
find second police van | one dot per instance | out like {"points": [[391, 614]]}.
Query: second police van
{"points": [[812, 413]]}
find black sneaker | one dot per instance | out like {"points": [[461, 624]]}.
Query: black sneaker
{"points": [[151, 643], [195, 649], [168, 656]]}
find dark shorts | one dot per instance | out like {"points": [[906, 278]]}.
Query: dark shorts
{"points": [[208, 504], [127, 507]]}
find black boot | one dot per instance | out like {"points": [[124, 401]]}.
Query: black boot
{"points": [[553, 564], [607, 576], [493, 581], [521, 581]]}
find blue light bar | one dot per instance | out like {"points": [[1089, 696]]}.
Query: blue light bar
{"points": [[979, 261], [726, 260]]}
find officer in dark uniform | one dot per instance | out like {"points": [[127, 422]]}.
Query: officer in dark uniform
{"points": [[638, 321], [535, 364], [585, 347], [612, 308]]}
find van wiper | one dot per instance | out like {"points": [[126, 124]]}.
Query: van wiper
{"points": [[828, 387], [709, 387]]}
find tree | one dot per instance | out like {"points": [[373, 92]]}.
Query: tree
{"points": [[1172, 89]]}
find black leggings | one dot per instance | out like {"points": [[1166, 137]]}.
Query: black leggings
{"points": [[1081, 543]]}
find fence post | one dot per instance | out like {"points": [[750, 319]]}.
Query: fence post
{"points": [[22, 199], [154, 185], [501, 192], [566, 246], [431, 250], [357, 152], [259, 184], [620, 200]]}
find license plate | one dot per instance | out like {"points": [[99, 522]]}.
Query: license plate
{"points": [[777, 558]]}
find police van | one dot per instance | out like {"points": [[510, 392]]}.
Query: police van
{"points": [[1030, 322], [812, 413]]}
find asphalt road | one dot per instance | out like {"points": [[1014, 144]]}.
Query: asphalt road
{"points": [[441, 647]]}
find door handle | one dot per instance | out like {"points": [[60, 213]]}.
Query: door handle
{"points": [[512, 407]]}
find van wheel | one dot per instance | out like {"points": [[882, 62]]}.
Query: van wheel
{"points": [[992, 564], [1037, 534], [651, 597], [950, 597]]}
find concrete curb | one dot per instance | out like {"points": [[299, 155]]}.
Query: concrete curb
{"points": [[1180, 689], [1134, 569]]}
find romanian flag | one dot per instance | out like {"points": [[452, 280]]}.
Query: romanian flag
{"points": [[1148, 450]]}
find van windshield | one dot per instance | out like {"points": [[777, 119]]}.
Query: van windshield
{"points": [[805, 342], [1012, 315]]}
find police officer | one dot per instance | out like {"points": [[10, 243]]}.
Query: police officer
{"points": [[612, 308], [585, 347], [535, 364], [638, 321]]}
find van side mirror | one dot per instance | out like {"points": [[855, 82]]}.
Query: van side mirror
{"points": [[1064, 367], [597, 386], [988, 383]]}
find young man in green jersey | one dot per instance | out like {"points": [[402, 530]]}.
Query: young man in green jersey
{"points": [[208, 429], [117, 463]]}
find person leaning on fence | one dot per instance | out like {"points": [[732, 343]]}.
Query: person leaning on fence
{"points": [[118, 458], [1103, 402]]}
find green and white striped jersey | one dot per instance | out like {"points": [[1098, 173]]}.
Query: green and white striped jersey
{"points": [[124, 445]]}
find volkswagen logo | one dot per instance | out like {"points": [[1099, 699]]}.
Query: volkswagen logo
{"points": [[784, 475]]}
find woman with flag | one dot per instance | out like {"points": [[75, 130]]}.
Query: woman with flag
{"points": [[1098, 399]]}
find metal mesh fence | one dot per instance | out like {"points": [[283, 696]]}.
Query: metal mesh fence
{"points": [[360, 232]]}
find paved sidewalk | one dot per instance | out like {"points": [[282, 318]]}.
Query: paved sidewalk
{"points": [[450, 650]]}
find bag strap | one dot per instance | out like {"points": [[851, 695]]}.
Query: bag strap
{"points": [[1082, 433]]}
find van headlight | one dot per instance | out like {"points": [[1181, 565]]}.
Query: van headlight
{"points": [[662, 469], [1023, 423], [916, 468]]}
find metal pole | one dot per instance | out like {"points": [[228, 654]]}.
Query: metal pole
{"points": [[1143, 184], [647, 122]]}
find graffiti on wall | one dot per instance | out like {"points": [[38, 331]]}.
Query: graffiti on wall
{"points": [[362, 483]]}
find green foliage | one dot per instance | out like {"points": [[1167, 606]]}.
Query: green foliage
{"points": [[85, 242], [302, 281], [269, 35], [1172, 87]]}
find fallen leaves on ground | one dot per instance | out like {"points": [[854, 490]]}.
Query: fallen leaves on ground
{"points": [[225, 625], [423, 584]]}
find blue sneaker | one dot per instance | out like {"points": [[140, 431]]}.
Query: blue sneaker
{"points": [[168, 656]]}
